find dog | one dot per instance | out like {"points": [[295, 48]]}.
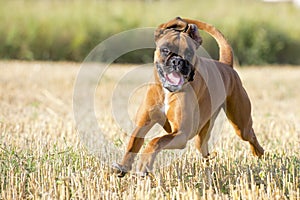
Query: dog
{"points": [[188, 93]]}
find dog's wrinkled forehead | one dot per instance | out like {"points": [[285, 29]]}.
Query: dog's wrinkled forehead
{"points": [[178, 30], [177, 43]]}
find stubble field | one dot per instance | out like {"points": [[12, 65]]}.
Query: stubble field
{"points": [[42, 156]]}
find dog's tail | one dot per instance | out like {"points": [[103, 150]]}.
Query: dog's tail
{"points": [[225, 51]]}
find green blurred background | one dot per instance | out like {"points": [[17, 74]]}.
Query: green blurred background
{"points": [[259, 32]]}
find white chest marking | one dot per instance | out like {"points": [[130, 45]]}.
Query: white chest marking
{"points": [[166, 106]]}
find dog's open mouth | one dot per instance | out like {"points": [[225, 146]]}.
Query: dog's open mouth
{"points": [[175, 78], [172, 81]]}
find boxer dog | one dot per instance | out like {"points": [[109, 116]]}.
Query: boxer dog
{"points": [[188, 93]]}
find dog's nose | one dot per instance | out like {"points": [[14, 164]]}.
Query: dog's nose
{"points": [[176, 61]]}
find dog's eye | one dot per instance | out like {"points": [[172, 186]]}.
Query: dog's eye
{"points": [[165, 51]]}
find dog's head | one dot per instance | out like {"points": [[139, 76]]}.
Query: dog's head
{"points": [[176, 45]]}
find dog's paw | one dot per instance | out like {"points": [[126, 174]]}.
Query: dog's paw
{"points": [[119, 170], [259, 151]]}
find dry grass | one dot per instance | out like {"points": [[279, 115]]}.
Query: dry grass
{"points": [[41, 156]]}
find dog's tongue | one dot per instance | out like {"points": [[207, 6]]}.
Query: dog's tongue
{"points": [[174, 78]]}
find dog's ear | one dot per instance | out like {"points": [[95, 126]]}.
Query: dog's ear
{"points": [[193, 32], [176, 24]]}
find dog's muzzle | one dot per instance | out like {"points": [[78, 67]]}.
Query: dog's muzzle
{"points": [[174, 73]]}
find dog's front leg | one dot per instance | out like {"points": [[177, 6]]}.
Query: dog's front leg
{"points": [[148, 114], [176, 140], [182, 119], [134, 145]]}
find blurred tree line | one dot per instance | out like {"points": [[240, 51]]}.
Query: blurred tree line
{"points": [[259, 33]]}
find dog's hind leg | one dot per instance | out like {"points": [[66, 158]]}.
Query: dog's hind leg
{"points": [[238, 111]]}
